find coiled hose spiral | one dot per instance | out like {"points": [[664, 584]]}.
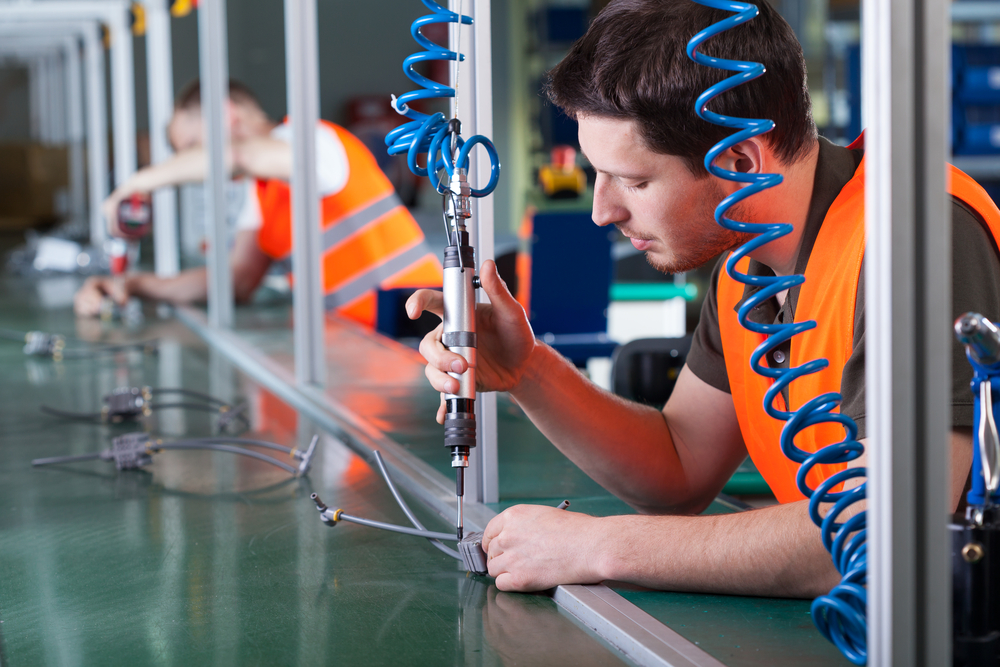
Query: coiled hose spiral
{"points": [[841, 614]]}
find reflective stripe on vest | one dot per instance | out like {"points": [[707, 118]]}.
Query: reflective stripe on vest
{"points": [[350, 291], [348, 225], [828, 297]]}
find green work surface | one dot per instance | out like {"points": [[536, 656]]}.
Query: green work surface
{"points": [[750, 632], [210, 558], [398, 399]]}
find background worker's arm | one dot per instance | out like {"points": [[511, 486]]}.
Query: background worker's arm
{"points": [[248, 262], [261, 157], [774, 551], [676, 460]]}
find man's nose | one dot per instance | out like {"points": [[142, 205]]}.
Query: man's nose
{"points": [[608, 208]]}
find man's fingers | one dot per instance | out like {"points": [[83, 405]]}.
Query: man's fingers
{"points": [[425, 299], [492, 529], [443, 382], [438, 356], [441, 411], [496, 289]]}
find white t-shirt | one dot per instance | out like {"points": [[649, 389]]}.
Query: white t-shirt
{"points": [[332, 170]]}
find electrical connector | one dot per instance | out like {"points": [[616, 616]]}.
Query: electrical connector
{"points": [[473, 556], [129, 451], [125, 403], [44, 344]]}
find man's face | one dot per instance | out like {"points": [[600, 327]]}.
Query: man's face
{"points": [[654, 199], [185, 130]]}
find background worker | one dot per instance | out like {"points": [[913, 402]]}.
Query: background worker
{"points": [[632, 89], [370, 240]]}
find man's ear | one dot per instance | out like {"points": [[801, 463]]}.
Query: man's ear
{"points": [[746, 157]]}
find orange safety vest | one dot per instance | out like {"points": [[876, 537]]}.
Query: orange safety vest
{"points": [[828, 297], [370, 240]]}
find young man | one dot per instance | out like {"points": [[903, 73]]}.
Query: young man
{"points": [[370, 240], [632, 89]]}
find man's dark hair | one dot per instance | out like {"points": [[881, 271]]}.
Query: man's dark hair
{"points": [[632, 64], [190, 97]]}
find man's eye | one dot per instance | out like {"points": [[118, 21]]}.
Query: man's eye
{"points": [[637, 186]]}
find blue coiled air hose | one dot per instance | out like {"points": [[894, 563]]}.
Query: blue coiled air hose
{"points": [[840, 615], [425, 134]]}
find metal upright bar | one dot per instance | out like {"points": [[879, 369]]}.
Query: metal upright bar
{"points": [[75, 130], [122, 95], [160, 84], [475, 109], [97, 131], [908, 278], [213, 50], [35, 99], [302, 67]]}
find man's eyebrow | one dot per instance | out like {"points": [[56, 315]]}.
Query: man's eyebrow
{"points": [[641, 176]]}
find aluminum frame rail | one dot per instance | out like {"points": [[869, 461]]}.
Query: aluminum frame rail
{"points": [[474, 100], [302, 67], [214, 64], [160, 88], [908, 277]]}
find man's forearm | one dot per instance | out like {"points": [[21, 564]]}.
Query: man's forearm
{"points": [[774, 551], [624, 446], [187, 287]]}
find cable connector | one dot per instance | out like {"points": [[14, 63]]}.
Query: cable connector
{"points": [[44, 344], [328, 516], [125, 403], [306, 459], [473, 556], [129, 451], [231, 414]]}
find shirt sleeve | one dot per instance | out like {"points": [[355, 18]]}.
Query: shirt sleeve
{"points": [[706, 359], [975, 267], [249, 217], [332, 168]]}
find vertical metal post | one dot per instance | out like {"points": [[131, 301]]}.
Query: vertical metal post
{"points": [[160, 84], [97, 131], [475, 110], [122, 94], [75, 131], [213, 49], [302, 67], [35, 98], [908, 278], [57, 96]]}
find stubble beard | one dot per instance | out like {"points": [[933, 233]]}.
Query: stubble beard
{"points": [[716, 240]]}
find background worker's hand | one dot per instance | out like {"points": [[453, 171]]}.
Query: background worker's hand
{"points": [[87, 301], [532, 548], [504, 338]]}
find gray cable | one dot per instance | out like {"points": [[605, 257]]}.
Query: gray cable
{"points": [[406, 510], [236, 441], [225, 448], [396, 529], [65, 459]]}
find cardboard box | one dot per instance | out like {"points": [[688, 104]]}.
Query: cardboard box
{"points": [[33, 184]]}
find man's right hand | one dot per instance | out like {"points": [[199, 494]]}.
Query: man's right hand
{"points": [[504, 338], [87, 301]]}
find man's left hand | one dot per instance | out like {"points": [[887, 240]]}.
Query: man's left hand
{"points": [[532, 548]]}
